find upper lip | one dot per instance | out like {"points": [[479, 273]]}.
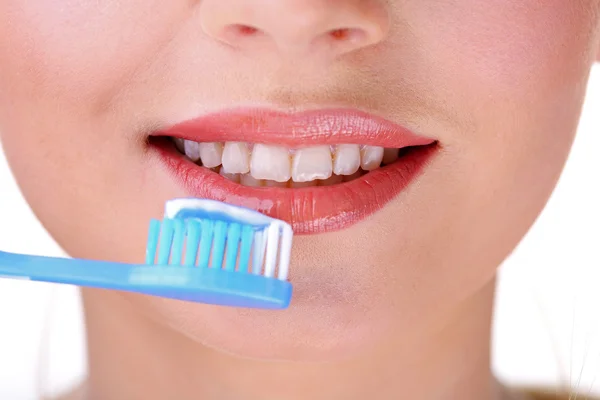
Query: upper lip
{"points": [[326, 126]]}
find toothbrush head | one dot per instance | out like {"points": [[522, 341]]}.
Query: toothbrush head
{"points": [[242, 255]]}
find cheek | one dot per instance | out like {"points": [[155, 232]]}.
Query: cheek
{"points": [[40, 51], [504, 65], [515, 73], [512, 44]]}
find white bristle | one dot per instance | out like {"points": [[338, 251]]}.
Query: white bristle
{"points": [[258, 252], [272, 247], [285, 251]]}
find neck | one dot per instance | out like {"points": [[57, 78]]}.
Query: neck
{"points": [[131, 356]]}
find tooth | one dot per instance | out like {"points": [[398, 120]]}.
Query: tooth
{"points": [[312, 163], [298, 185], [271, 183], [390, 156], [211, 154], [352, 177], [249, 180], [346, 159], [179, 144], [371, 157], [236, 157], [332, 180], [232, 177], [270, 162], [192, 150]]}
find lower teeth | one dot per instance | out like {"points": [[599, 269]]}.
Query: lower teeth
{"points": [[250, 181]]}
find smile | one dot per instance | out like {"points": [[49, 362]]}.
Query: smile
{"points": [[320, 170]]}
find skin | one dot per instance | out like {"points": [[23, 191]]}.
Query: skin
{"points": [[397, 306]]}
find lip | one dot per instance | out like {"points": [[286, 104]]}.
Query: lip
{"points": [[309, 210]]}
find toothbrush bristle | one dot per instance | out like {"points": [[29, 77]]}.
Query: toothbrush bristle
{"points": [[232, 246]]}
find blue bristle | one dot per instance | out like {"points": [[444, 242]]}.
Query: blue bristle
{"points": [[152, 244], [219, 244], [166, 239], [233, 242], [246, 247], [205, 243], [178, 241], [192, 242]]}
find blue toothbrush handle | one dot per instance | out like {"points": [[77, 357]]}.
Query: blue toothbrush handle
{"points": [[202, 285]]}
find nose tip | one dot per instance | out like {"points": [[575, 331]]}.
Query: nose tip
{"points": [[326, 27]]}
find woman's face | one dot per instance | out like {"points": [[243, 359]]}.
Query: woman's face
{"points": [[497, 84]]}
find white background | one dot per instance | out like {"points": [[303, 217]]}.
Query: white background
{"points": [[547, 322]]}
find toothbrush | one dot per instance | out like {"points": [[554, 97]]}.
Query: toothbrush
{"points": [[202, 251]]}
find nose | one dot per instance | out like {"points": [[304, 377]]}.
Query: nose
{"points": [[330, 28]]}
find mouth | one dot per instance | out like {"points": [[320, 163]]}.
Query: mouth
{"points": [[321, 171]]}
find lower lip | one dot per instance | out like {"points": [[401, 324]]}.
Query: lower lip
{"points": [[309, 210]]}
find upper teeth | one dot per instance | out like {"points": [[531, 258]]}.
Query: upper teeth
{"points": [[371, 157], [269, 162], [280, 164], [211, 154], [192, 150], [346, 159], [312, 163], [236, 158]]}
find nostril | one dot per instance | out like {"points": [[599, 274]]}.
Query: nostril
{"points": [[243, 30], [340, 34], [351, 35], [236, 35]]}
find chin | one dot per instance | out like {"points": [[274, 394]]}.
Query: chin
{"points": [[333, 322]]}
